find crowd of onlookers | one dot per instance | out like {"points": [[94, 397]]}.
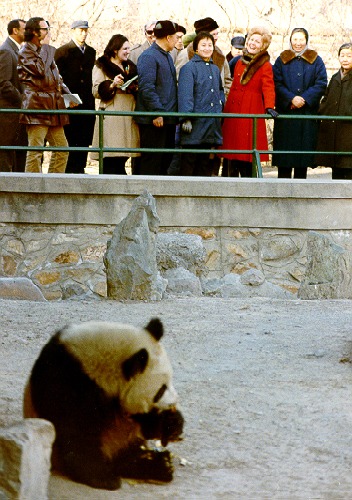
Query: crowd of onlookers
{"points": [[173, 71]]}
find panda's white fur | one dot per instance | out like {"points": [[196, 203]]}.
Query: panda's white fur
{"points": [[107, 388], [102, 355]]}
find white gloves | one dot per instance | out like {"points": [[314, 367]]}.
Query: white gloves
{"points": [[187, 126]]}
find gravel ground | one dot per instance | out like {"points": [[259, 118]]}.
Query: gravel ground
{"points": [[265, 388]]}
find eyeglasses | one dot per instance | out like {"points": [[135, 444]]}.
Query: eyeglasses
{"points": [[44, 29], [149, 32]]}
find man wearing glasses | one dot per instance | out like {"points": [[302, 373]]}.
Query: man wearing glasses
{"points": [[43, 88], [137, 50]]}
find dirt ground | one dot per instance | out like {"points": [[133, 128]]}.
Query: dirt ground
{"points": [[265, 388]]}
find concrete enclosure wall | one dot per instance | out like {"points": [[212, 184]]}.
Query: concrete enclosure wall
{"points": [[54, 228]]}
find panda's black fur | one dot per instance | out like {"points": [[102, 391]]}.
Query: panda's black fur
{"points": [[97, 440]]}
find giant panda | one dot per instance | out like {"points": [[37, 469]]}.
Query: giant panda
{"points": [[107, 388]]}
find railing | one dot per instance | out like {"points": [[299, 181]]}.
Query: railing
{"points": [[256, 164]]}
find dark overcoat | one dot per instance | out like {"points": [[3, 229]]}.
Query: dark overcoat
{"points": [[303, 76], [336, 135], [76, 70], [12, 133], [200, 90]]}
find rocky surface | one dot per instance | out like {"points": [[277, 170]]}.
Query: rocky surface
{"points": [[265, 387]]}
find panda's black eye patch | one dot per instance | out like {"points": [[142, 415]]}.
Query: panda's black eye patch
{"points": [[160, 393]]}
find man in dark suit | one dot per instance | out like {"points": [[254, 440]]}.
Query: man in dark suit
{"points": [[12, 133], [75, 61]]}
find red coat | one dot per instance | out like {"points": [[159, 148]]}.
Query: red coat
{"points": [[253, 97]]}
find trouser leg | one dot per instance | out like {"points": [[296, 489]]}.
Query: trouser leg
{"points": [[284, 172], [342, 173], [300, 173], [56, 137], [36, 137], [114, 165]]}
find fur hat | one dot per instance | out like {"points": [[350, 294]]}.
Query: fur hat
{"points": [[163, 29], [263, 32], [238, 42], [207, 24]]}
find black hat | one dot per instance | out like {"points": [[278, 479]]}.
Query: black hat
{"points": [[238, 42], [182, 29], [207, 24], [165, 28]]}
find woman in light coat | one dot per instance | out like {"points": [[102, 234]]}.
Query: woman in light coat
{"points": [[200, 90], [110, 72]]}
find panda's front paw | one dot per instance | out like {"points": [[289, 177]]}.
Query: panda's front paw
{"points": [[152, 465]]}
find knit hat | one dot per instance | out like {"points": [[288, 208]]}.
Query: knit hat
{"points": [[79, 24], [263, 32], [238, 42], [207, 24], [163, 29]]}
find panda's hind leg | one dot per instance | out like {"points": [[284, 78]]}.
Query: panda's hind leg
{"points": [[145, 464], [87, 466]]}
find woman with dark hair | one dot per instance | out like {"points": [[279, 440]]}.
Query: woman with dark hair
{"points": [[200, 90], [252, 92], [300, 81], [111, 71], [336, 135]]}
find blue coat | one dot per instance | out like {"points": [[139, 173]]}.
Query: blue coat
{"points": [[200, 90], [157, 84], [304, 76]]}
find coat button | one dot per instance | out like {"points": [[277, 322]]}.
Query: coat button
{"points": [[211, 104], [210, 77], [211, 90]]}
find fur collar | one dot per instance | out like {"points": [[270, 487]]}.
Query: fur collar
{"points": [[111, 69], [288, 55], [253, 65]]}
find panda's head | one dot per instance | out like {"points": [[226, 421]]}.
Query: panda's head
{"points": [[126, 362]]}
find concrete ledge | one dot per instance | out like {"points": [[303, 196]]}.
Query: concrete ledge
{"points": [[181, 202]]}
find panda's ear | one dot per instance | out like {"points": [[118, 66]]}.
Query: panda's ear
{"points": [[155, 328], [135, 364]]}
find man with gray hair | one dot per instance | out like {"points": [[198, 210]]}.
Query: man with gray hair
{"points": [[137, 50]]}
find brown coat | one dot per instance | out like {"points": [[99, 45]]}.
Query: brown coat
{"points": [[43, 86]]}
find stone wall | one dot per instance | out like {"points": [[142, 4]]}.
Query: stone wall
{"points": [[54, 229]]}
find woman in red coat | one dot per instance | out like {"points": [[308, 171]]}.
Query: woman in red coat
{"points": [[252, 92]]}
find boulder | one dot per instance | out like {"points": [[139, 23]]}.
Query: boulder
{"points": [[20, 289], [181, 250], [329, 270], [130, 258], [25, 457]]}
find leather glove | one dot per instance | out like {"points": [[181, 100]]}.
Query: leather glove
{"points": [[272, 112], [187, 126]]}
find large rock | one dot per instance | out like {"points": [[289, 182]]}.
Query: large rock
{"points": [[25, 453], [182, 282], [130, 258], [249, 284], [329, 270], [19, 289], [181, 250]]}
